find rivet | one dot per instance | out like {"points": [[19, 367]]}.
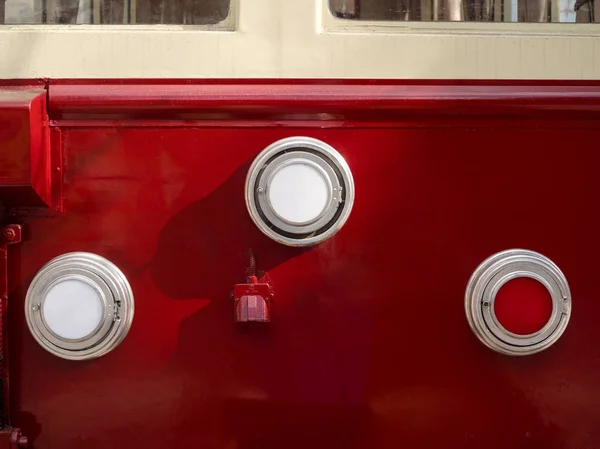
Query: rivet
{"points": [[9, 234]]}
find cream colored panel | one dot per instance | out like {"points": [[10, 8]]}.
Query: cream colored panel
{"points": [[299, 39]]}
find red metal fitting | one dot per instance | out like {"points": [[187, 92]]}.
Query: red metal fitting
{"points": [[17, 440], [252, 300], [11, 234], [12, 438]]}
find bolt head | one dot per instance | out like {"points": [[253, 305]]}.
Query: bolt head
{"points": [[9, 234]]}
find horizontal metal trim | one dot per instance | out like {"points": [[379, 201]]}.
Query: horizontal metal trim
{"points": [[322, 102]]}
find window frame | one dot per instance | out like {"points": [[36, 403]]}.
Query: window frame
{"points": [[333, 24], [227, 24]]}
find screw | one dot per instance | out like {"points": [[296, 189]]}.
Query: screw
{"points": [[36, 308], [9, 234], [486, 304], [260, 190]]}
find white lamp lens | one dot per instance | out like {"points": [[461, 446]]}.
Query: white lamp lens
{"points": [[299, 193], [73, 309]]}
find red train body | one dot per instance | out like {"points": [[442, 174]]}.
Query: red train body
{"points": [[368, 345]]}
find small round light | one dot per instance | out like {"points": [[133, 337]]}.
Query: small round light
{"points": [[299, 191], [506, 302], [79, 306], [73, 309]]}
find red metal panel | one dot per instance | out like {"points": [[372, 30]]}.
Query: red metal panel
{"points": [[325, 103], [25, 172], [369, 346]]}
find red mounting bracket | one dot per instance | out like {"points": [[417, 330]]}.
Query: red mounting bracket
{"points": [[10, 438], [8, 235]]}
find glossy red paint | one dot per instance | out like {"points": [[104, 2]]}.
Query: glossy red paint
{"points": [[523, 306], [25, 159], [369, 346]]}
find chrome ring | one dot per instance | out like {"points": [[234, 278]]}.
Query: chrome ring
{"points": [[487, 280], [112, 287], [319, 156]]}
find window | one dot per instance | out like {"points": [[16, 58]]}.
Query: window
{"points": [[144, 12], [584, 11]]}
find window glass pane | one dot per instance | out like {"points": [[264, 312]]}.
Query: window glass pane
{"points": [[144, 12], [582, 11]]}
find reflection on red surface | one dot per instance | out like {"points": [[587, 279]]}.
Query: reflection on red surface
{"points": [[523, 306]]}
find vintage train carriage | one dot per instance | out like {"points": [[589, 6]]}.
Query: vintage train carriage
{"points": [[266, 224]]}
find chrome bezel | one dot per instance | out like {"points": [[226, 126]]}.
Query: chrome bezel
{"points": [[318, 155], [487, 280], [112, 286]]}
